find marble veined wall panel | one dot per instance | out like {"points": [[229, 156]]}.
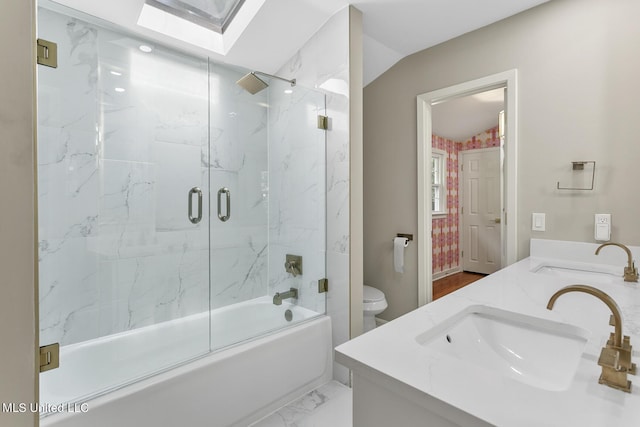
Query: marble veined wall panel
{"points": [[121, 137], [297, 189], [68, 184], [323, 63], [238, 161]]}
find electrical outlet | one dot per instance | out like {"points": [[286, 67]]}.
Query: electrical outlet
{"points": [[602, 227]]}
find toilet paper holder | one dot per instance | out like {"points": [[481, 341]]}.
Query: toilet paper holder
{"points": [[409, 237], [400, 242]]}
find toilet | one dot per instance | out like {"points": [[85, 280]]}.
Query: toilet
{"points": [[374, 303]]}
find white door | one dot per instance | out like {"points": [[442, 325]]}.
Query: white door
{"points": [[480, 210]]}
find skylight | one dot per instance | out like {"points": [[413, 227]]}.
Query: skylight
{"points": [[211, 24], [214, 15]]}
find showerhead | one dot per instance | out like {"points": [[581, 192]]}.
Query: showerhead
{"points": [[254, 84]]}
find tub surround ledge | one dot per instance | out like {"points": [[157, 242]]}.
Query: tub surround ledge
{"points": [[396, 378]]}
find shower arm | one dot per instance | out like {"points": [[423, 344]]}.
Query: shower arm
{"points": [[293, 82]]}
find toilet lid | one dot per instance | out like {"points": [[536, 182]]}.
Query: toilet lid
{"points": [[372, 294]]}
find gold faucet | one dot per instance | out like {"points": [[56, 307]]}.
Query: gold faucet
{"points": [[615, 357], [630, 271]]}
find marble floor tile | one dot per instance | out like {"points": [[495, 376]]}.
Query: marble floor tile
{"points": [[327, 406]]}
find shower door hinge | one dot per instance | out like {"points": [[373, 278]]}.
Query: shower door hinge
{"points": [[323, 286], [323, 122], [49, 357], [47, 53]]}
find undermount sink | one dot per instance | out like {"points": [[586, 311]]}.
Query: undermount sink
{"points": [[579, 271], [535, 351]]}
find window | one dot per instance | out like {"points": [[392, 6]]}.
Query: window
{"points": [[438, 182]]}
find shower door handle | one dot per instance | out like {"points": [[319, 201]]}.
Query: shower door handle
{"points": [[227, 215], [196, 219]]}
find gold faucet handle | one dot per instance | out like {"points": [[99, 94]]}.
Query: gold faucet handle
{"points": [[625, 355], [611, 340], [623, 362], [631, 273], [610, 358]]}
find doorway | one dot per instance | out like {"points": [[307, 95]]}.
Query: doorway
{"points": [[466, 127], [507, 158]]}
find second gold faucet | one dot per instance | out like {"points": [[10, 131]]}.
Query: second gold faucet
{"points": [[630, 271], [615, 357]]}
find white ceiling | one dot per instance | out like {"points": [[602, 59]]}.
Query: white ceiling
{"points": [[393, 29], [461, 118]]}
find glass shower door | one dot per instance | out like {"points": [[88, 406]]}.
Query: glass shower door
{"points": [[124, 266], [238, 165], [267, 163], [297, 194]]}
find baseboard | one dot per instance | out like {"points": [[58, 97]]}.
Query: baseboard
{"points": [[445, 273]]}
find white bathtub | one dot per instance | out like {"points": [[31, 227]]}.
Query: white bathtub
{"points": [[231, 387]]}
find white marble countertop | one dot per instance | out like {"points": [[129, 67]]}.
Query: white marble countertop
{"points": [[392, 349]]}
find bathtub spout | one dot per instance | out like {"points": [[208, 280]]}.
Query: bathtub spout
{"points": [[279, 296]]}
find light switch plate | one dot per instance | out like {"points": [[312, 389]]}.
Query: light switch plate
{"points": [[538, 221]]}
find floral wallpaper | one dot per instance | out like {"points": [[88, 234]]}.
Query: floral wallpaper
{"points": [[446, 253]]}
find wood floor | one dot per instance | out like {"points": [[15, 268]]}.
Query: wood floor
{"points": [[446, 285]]}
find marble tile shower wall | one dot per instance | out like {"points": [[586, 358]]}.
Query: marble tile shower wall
{"points": [[297, 192], [122, 138], [323, 63], [239, 161]]}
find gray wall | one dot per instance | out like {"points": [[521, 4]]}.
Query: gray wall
{"points": [[18, 382], [578, 91]]}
